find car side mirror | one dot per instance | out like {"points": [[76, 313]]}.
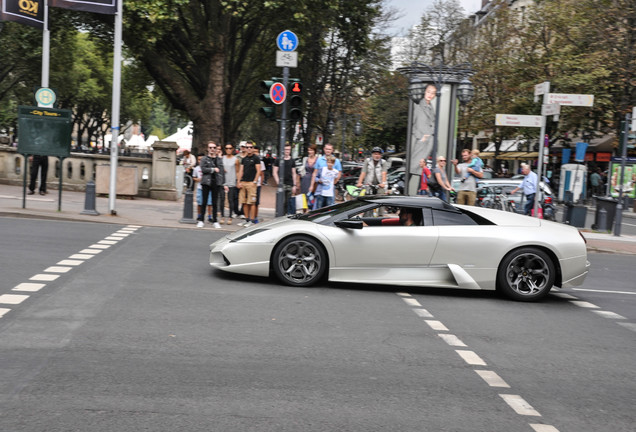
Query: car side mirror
{"points": [[350, 224]]}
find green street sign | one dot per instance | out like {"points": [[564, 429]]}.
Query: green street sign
{"points": [[44, 131]]}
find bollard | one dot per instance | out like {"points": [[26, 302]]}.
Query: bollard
{"points": [[602, 220], [187, 208], [89, 201]]}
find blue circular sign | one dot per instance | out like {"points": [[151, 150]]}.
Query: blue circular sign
{"points": [[277, 92], [287, 41]]}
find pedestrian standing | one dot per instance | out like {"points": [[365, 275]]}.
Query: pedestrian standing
{"points": [[425, 176], [306, 172], [38, 163], [467, 192], [529, 186], [249, 172], [439, 184], [212, 179], [288, 177], [231, 169], [320, 164]]}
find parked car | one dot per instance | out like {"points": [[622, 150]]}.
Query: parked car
{"points": [[410, 241]]}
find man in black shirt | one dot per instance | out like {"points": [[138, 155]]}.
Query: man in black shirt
{"points": [[249, 172], [211, 180], [289, 177]]}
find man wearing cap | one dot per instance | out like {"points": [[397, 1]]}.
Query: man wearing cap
{"points": [[373, 172]]}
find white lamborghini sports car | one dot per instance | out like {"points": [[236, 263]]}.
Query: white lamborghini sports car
{"points": [[410, 241]]}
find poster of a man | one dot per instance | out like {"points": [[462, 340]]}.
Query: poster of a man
{"points": [[423, 130]]}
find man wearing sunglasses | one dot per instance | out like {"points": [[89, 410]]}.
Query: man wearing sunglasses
{"points": [[249, 172], [212, 179]]}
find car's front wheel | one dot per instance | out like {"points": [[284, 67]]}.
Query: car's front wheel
{"points": [[299, 261], [526, 274]]}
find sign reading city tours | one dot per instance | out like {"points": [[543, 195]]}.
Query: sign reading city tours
{"points": [[29, 12], [518, 120], [44, 131], [97, 6]]}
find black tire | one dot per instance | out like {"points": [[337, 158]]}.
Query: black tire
{"points": [[526, 274], [299, 261]]}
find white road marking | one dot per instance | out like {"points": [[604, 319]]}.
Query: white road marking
{"points": [[401, 294], [3, 311], [81, 256], [631, 326], [543, 428], [44, 277], [423, 313], [31, 287], [112, 238], [436, 325], [608, 314], [90, 251], [492, 379], [584, 304], [70, 262], [12, 298], [452, 340], [520, 406], [133, 226], [58, 269], [98, 246], [107, 242], [411, 302], [605, 291], [564, 296], [471, 358], [120, 234]]}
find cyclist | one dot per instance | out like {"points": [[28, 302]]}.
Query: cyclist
{"points": [[373, 173]]}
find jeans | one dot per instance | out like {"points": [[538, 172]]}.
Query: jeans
{"points": [[527, 209], [324, 201], [205, 191]]}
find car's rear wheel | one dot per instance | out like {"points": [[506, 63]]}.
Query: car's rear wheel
{"points": [[299, 261], [526, 274]]}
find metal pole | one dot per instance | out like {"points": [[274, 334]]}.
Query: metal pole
{"points": [[280, 193], [344, 131], [538, 194], [46, 46], [621, 178], [409, 139], [112, 192], [438, 102]]}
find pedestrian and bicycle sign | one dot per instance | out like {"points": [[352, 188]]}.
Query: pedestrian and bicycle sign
{"points": [[277, 93], [287, 41]]}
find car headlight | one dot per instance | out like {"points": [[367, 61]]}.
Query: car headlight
{"points": [[248, 234]]}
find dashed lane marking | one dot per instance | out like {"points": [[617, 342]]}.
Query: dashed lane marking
{"points": [[411, 302], [609, 314], [520, 406], [44, 277], [452, 340], [113, 238], [107, 242], [423, 313], [91, 251], [30, 287], [81, 256], [3, 311], [58, 269], [631, 326], [604, 291], [584, 304], [492, 379], [98, 246], [436, 325], [68, 262], [543, 428], [471, 357], [13, 299]]}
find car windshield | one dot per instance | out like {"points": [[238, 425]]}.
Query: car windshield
{"points": [[324, 213]]}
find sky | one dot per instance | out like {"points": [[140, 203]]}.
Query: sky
{"points": [[412, 10]]}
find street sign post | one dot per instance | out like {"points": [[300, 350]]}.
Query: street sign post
{"points": [[286, 59], [518, 120], [278, 93], [571, 99], [550, 109]]}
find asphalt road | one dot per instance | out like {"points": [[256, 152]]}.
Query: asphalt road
{"points": [[138, 333]]}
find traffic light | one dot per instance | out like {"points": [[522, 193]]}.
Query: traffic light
{"points": [[268, 111], [295, 91]]}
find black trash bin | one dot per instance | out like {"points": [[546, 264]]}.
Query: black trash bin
{"points": [[608, 205], [575, 215]]}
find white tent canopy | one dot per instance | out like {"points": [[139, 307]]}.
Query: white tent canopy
{"points": [[183, 137]]}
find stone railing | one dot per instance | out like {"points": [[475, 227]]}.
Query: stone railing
{"points": [[80, 168]]}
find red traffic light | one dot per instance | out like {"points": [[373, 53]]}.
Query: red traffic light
{"points": [[296, 87]]}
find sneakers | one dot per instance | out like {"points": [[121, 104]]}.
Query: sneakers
{"points": [[216, 225], [255, 221], [248, 223], [242, 222], [200, 224]]}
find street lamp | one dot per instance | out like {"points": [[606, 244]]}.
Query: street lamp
{"points": [[421, 76], [331, 127]]}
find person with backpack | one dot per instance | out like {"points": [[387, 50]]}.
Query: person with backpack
{"points": [[373, 172]]}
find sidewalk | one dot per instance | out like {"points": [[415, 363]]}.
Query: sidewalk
{"points": [[167, 214]]}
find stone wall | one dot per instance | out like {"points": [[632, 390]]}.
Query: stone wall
{"points": [[76, 170]]}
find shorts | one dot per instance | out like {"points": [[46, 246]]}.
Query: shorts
{"points": [[466, 197], [200, 197], [247, 194]]}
